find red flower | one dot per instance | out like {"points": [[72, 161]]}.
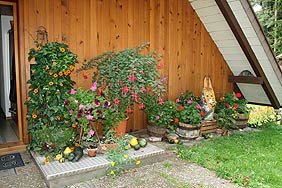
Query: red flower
{"points": [[202, 114], [227, 105], [235, 106], [161, 102], [180, 108], [238, 95], [176, 120], [132, 78], [85, 76], [124, 89]]}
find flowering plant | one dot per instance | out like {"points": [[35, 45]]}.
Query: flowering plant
{"points": [[233, 102], [127, 74], [189, 111], [84, 106], [49, 84], [159, 112]]}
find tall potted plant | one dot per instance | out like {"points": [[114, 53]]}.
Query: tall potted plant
{"points": [[127, 74]]}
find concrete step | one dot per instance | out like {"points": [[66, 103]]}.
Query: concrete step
{"points": [[62, 174]]}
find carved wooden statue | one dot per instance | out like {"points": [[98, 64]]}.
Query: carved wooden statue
{"points": [[208, 99]]}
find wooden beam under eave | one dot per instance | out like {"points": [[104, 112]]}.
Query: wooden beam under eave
{"points": [[247, 49], [245, 79]]}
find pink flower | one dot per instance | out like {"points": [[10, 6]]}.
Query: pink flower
{"points": [[91, 133], [132, 78], [94, 86], [157, 117], [161, 102], [177, 100], [163, 80], [141, 106], [124, 89], [128, 110], [97, 102], [190, 101], [134, 96], [116, 101], [72, 92], [199, 107], [119, 82], [71, 111], [143, 90], [89, 117], [81, 106]]}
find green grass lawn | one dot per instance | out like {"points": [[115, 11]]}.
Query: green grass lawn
{"points": [[249, 159]]}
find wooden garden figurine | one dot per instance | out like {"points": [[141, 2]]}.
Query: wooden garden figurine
{"points": [[208, 99]]}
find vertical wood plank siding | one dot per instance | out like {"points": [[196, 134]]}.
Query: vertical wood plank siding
{"points": [[91, 27]]}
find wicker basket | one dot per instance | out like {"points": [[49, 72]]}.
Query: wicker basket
{"points": [[209, 127]]}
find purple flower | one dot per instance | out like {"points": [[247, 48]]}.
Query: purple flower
{"points": [[81, 106], [177, 100], [94, 86], [97, 102], [71, 111], [89, 117], [190, 101], [199, 107], [106, 104], [72, 92], [79, 115], [89, 107], [103, 117], [99, 112], [163, 80], [91, 133]]}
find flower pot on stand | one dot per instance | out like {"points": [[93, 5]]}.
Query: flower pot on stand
{"points": [[156, 131], [242, 121], [188, 131]]}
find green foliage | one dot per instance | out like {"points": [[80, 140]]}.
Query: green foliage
{"points": [[189, 111], [270, 17], [127, 74], [49, 86], [228, 108], [249, 159], [159, 113]]}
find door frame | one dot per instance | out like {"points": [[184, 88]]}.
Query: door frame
{"points": [[17, 69]]}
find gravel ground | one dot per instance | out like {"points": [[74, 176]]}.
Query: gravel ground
{"points": [[170, 173]]}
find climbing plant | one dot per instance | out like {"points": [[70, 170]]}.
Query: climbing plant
{"points": [[49, 86]]}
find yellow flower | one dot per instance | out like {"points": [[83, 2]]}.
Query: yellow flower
{"points": [[51, 83], [67, 151], [34, 116], [73, 125], [58, 157], [125, 156], [76, 144], [138, 162], [62, 49], [113, 163], [71, 68], [61, 84], [35, 90], [33, 71], [48, 157], [66, 73], [55, 63], [39, 48], [72, 149], [55, 75], [47, 67], [61, 73], [112, 172], [59, 118], [47, 160], [50, 73], [28, 98]]}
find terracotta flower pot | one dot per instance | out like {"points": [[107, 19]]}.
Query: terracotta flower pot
{"points": [[91, 152], [121, 128]]}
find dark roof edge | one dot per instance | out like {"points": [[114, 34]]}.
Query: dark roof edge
{"points": [[244, 44], [258, 28]]}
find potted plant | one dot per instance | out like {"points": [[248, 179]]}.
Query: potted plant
{"points": [[189, 116], [126, 75], [91, 142], [232, 106], [159, 114]]}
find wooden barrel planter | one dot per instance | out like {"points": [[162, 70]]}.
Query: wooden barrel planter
{"points": [[242, 121], [188, 131], [156, 131]]}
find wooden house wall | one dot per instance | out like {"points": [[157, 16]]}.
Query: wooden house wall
{"points": [[91, 27]]}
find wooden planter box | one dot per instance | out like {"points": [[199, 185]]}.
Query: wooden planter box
{"points": [[209, 127]]}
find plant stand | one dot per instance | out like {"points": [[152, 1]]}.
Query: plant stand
{"points": [[209, 127], [188, 131]]}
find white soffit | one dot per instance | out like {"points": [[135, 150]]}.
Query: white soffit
{"points": [[218, 28]]}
